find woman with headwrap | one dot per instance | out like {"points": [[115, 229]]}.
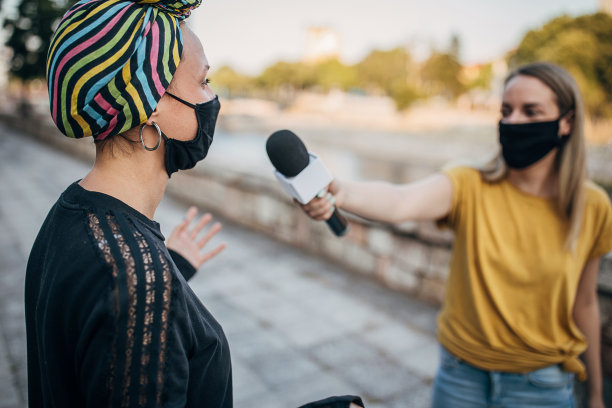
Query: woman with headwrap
{"points": [[111, 321]]}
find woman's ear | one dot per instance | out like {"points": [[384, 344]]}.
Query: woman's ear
{"points": [[566, 124], [161, 107]]}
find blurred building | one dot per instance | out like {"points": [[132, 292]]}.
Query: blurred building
{"points": [[605, 6], [321, 43]]}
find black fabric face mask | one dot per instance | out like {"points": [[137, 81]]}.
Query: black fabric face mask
{"points": [[185, 154], [524, 144]]}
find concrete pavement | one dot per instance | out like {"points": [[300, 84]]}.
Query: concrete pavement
{"points": [[299, 327]]}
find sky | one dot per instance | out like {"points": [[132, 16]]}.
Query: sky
{"points": [[250, 35]]}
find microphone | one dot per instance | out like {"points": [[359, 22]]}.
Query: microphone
{"points": [[301, 174]]}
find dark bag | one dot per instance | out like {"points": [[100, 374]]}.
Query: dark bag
{"points": [[335, 402]]}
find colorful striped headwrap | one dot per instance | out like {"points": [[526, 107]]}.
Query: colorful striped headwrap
{"points": [[110, 62]]}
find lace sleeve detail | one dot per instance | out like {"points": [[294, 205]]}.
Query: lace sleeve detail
{"points": [[141, 300]]}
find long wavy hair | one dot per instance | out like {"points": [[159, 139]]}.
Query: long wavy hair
{"points": [[570, 163]]}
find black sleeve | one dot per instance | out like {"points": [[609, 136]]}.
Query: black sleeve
{"points": [[335, 402], [183, 265], [124, 358]]}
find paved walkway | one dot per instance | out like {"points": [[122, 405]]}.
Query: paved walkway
{"points": [[300, 328]]}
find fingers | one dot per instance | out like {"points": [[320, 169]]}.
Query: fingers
{"points": [[321, 208], [189, 216], [191, 213], [211, 233], [209, 255], [192, 234], [204, 220]]}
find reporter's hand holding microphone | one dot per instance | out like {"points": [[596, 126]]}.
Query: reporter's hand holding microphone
{"points": [[322, 207], [304, 176], [307, 180]]}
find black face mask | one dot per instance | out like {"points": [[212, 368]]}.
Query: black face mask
{"points": [[526, 143], [183, 155]]}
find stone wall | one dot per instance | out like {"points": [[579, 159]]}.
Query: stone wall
{"points": [[412, 258]]}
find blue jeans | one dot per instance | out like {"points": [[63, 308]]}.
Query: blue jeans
{"points": [[460, 385]]}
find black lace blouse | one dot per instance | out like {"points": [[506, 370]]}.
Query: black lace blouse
{"points": [[111, 321]]}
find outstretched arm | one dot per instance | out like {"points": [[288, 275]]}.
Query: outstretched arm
{"points": [[428, 199]]}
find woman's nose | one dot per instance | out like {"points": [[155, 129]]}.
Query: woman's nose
{"points": [[209, 93], [515, 117]]}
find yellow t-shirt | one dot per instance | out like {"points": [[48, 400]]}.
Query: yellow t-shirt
{"points": [[511, 287]]}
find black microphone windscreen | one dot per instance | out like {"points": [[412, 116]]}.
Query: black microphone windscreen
{"points": [[287, 153]]}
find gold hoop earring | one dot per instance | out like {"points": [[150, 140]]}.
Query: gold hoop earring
{"points": [[159, 137]]}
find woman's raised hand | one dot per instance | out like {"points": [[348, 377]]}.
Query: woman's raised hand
{"points": [[185, 239]]}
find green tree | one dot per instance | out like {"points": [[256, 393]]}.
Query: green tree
{"points": [[383, 69], [332, 73], [295, 75], [282, 80], [231, 83], [392, 72], [441, 75], [582, 45], [29, 36], [404, 95]]}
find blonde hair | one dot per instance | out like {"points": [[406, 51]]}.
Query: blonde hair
{"points": [[571, 159]]}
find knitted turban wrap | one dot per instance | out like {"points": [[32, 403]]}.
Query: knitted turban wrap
{"points": [[110, 62]]}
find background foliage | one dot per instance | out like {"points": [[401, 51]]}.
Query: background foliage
{"points": [[29, 35], [583, 45]]}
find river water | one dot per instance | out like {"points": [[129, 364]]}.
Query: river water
{"points": [[394, 157]]}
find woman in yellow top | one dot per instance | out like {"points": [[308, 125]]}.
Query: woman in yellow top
{"points": [[521, 297]]}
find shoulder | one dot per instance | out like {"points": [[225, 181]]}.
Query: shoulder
{"points": [[63, 246], [597, 207], [461, 170], [595, 197], [597, 219], [462, 176]]}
